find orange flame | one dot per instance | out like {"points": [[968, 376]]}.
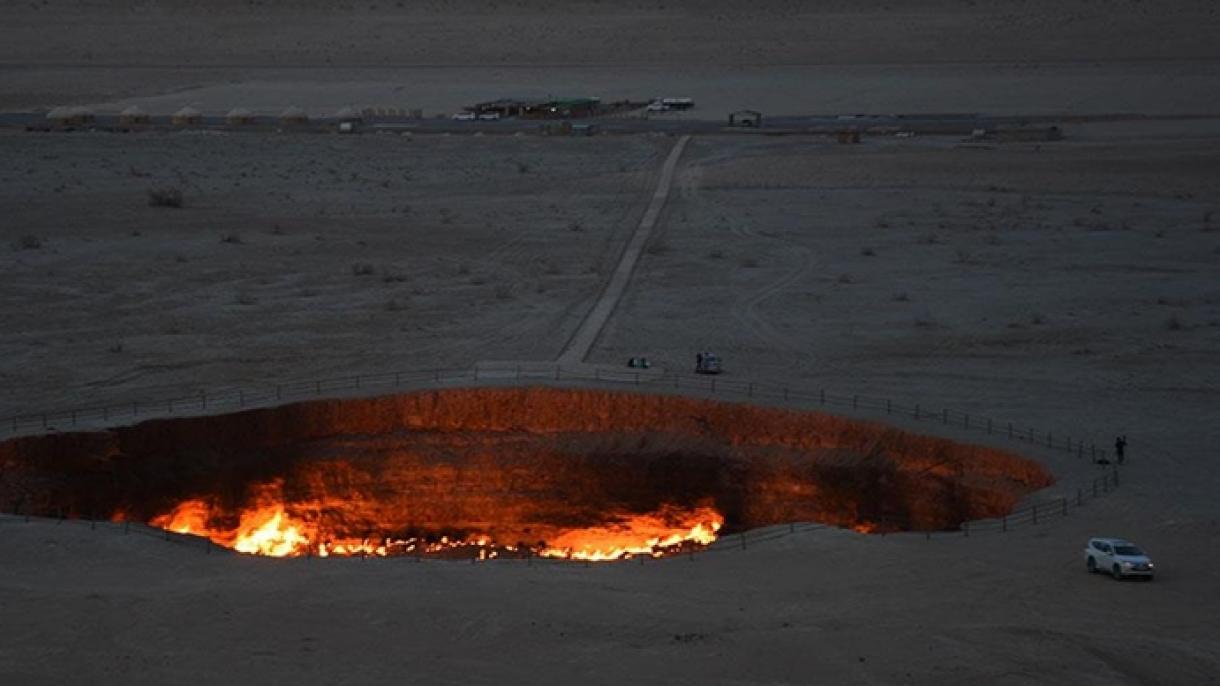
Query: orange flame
{"points": [[268, 528], [645, 534]]}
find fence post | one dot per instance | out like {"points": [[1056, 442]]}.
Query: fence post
{"points": [[241, 398], [917, 412], [989, 426], [170, 404], [785, 400], [398, 378], [1035, 514], [278, 391], [945, 416], [750, 391], [889, 406], [73, 417], [823, 394], [713, 384], [1010, 429], [203, 400], [44, 420], [135, 409], [855, 402], [743, 540], [317, 387], [1049, 442], [966, 421], [1031, 435], [1065, 507]]}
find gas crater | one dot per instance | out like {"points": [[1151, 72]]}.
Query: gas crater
{"points": [[575, 474]]}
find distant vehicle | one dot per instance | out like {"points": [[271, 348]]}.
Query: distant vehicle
{"points": [[707, 363], [464, 116], [639, 363], [1119, 557], [347, 127], [489, 116], [667, 104]]}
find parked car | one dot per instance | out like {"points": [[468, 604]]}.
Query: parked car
{"points": [[707, 363], [1119, 557], [464, 116]]}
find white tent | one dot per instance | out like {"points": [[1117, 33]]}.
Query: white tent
{"points": [[133, 115], [187, 115]]}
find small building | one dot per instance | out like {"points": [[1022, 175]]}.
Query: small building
{"points": [[746, 118], [134, 116], [70, 116], [505, 107], [1030, 134], [848, 137], [293, 116], [239, 116], [187, 116]]}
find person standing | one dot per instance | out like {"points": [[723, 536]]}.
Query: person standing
{"points": [[1120, 448]]}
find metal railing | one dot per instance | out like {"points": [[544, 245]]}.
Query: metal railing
{"points": [[362, 385], [203, 401]]}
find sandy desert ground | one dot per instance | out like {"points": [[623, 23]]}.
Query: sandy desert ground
{"points": [[1070, 286]]}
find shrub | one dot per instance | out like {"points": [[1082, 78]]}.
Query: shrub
{"points": [[27, 242], [165, 197]]}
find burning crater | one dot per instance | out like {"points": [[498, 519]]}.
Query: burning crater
{"points": [[508, 472]]}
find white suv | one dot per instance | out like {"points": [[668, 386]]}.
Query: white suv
{"points": [[1119, 557]]}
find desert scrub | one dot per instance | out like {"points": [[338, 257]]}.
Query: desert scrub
{"points": [[165, 197]]}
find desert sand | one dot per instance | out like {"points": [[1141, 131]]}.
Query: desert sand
{"points": [[1068, 285]]}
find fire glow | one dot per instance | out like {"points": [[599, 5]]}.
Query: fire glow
{"points": [[498, 472], [267, 528]]}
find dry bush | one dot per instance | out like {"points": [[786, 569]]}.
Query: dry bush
{"points": [[165, 197], [1174, 324], [232, 238], [902, 297], [868, 252], [27, 242]]}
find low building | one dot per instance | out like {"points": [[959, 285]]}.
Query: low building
{"points": [[746, 118]]}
